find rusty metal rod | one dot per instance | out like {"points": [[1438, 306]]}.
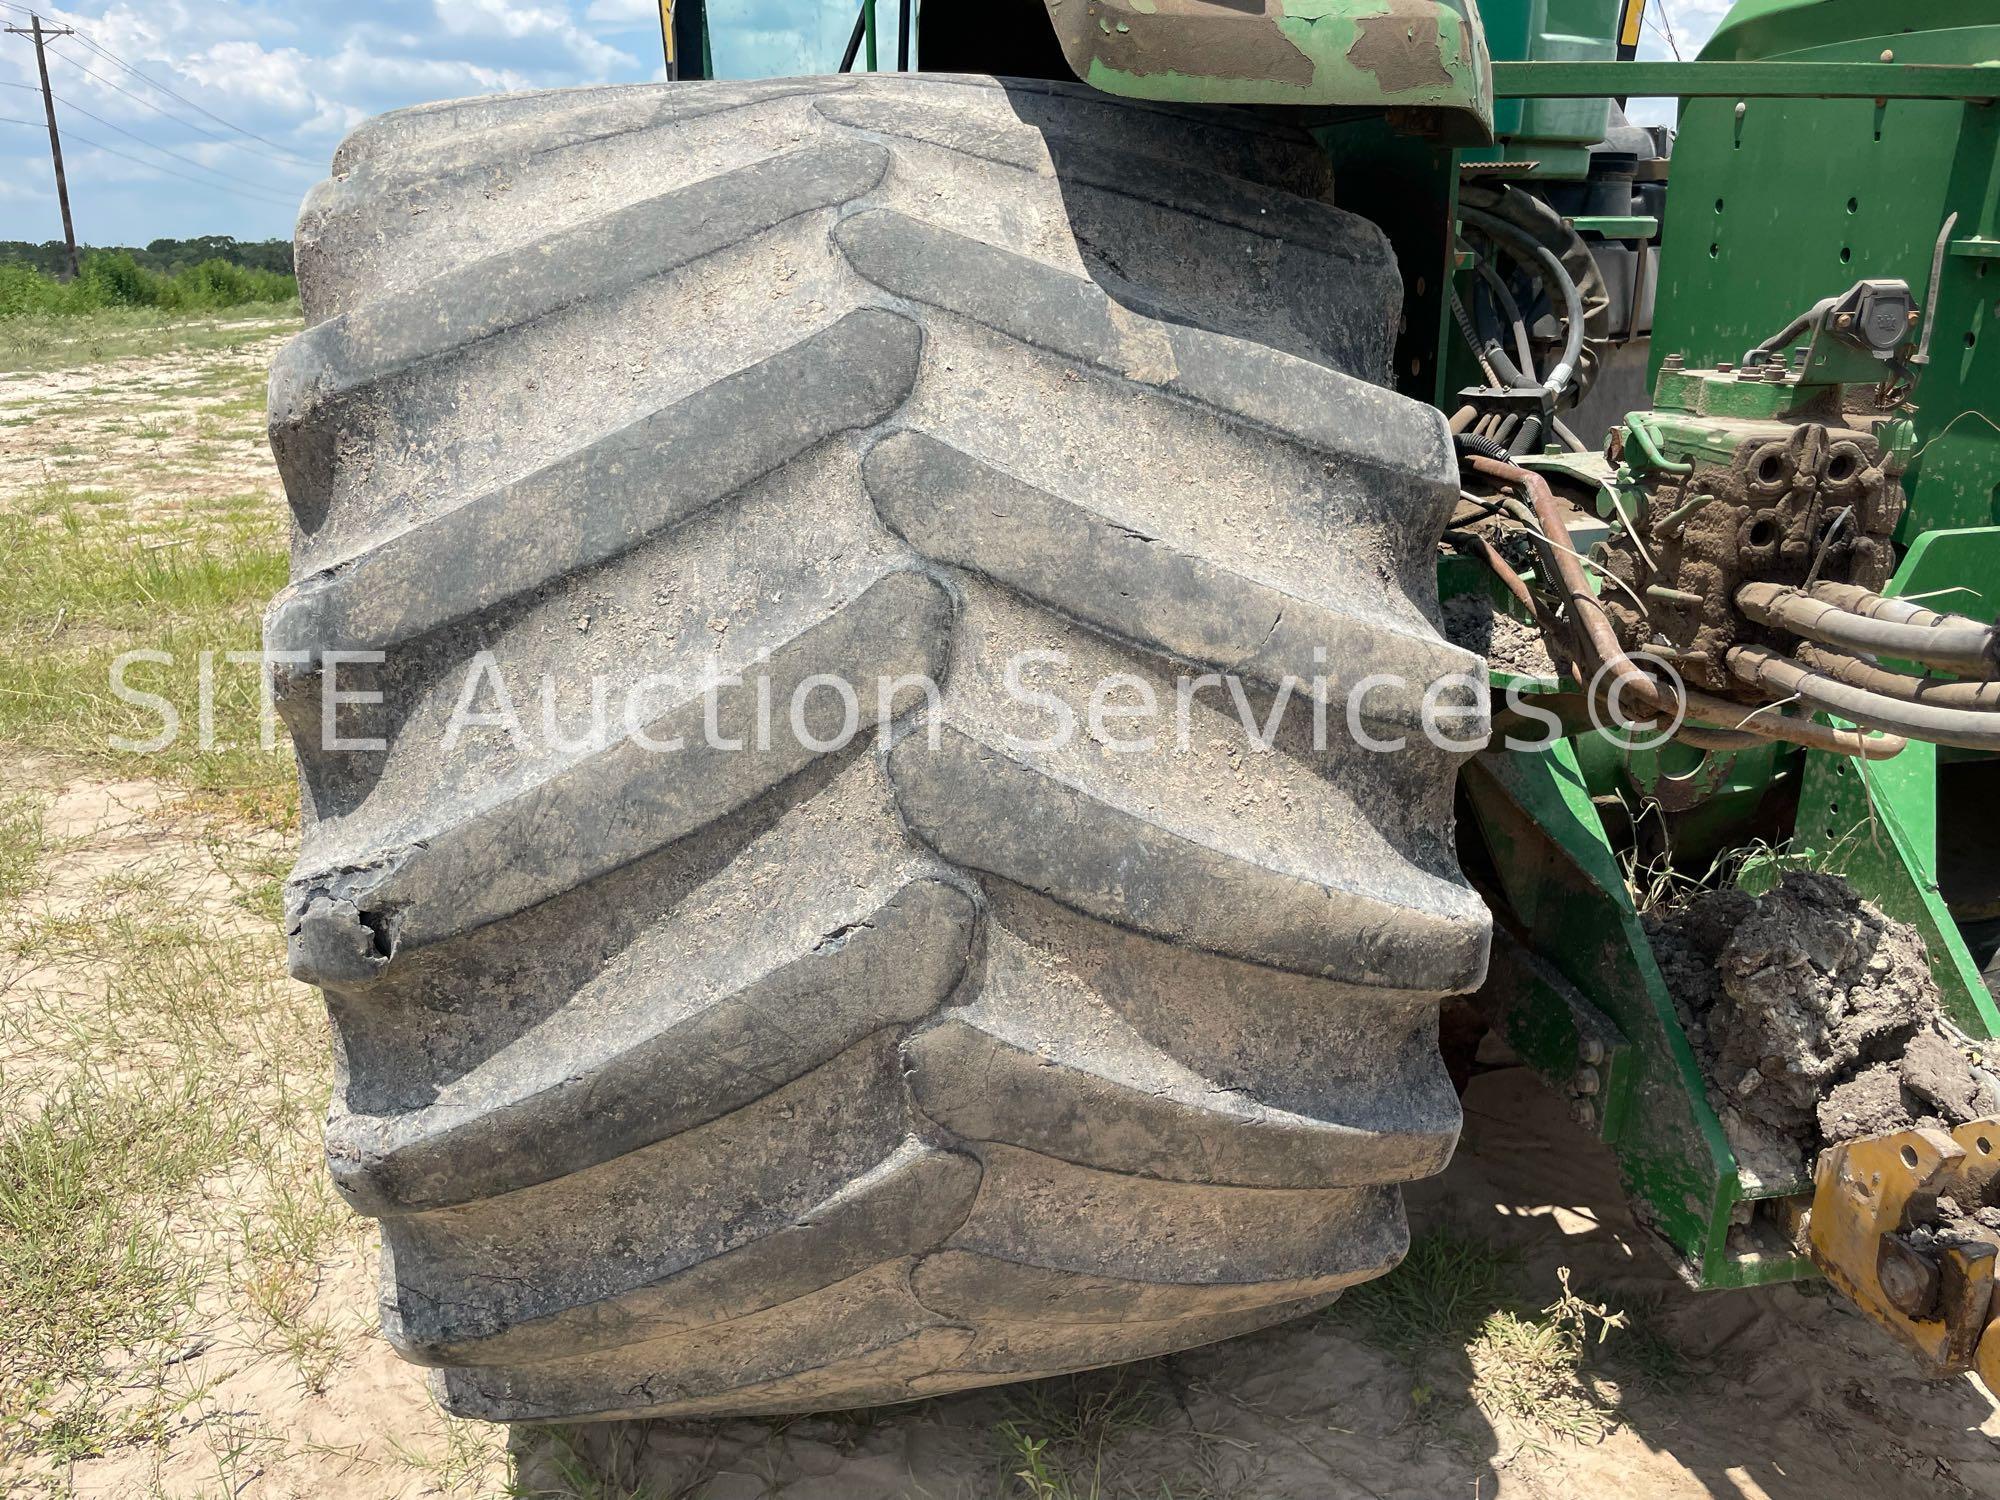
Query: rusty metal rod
{"points": [[1828, 614], [1773, 723], [1768, 671], [1501, 569], [1704, 737], [1599, 643]]}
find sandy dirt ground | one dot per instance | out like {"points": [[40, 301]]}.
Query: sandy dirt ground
{"points": [[162, 428], [1777, 1394]]}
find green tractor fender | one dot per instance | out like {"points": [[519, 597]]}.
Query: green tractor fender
{"points": [[1425, 56]]}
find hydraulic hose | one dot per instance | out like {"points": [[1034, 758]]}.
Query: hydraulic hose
{"points": [[1472, 541], [1478, 443], [1522, 376], [1938, 692], [1856, 620], [1540, 219], [1472, 340], [1599, 644], [1790, 728], [1852, 596], [1531, 251], [1784, 336], [1766, 670]]}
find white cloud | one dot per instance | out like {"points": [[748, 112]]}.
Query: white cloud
{"points": [[486, 20]]}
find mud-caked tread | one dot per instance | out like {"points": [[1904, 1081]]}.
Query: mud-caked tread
{"points": [[893, 1047]]}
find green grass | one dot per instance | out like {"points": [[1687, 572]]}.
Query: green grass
{"points": [[21, 845], [169, 1053], [1116, 1434], [1447, 1286], [31, 342], [82, 1268], [83, 591], [1457, 1314], [165, 1218]]}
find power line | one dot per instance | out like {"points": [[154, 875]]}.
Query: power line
{"points": [[151, 82], [153, 166], [166, 114], [107, 53], [199, 166]]}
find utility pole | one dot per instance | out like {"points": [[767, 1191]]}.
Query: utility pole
{"points": [[34, 29]]}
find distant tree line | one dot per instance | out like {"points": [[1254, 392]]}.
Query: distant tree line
{"points": [[163, 256], [111, 279]]}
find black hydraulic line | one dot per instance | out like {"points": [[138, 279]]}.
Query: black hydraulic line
{"points": [[1531, 251], [854, 42], [1784, 336], [1535, 216], [1523, 346], [1491, 352], [1526, 437], [1485, 447], [1472, 340]]}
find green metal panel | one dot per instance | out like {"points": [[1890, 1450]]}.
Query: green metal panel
{"points": [[1803, 79], [1777, 203], [1407, 185], [1567, 903], [1878, 824], [1407, 55], [1553, 133]]}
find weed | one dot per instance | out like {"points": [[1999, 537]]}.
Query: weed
{"points": [[113, 279], [1531, 1369]]}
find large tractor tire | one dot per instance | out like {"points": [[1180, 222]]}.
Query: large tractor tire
{"points": [[794, 1077]]}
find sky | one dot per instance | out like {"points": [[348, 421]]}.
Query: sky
{"points": [[191, 117]]}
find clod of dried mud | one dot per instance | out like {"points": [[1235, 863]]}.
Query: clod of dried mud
{"points": [[1508, 644], [1815, 1018]]}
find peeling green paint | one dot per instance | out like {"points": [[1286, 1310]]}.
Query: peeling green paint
{"points": [[1423, 55]]}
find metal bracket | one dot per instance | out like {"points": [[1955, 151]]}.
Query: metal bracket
{"points": [[1868, 1194]]}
